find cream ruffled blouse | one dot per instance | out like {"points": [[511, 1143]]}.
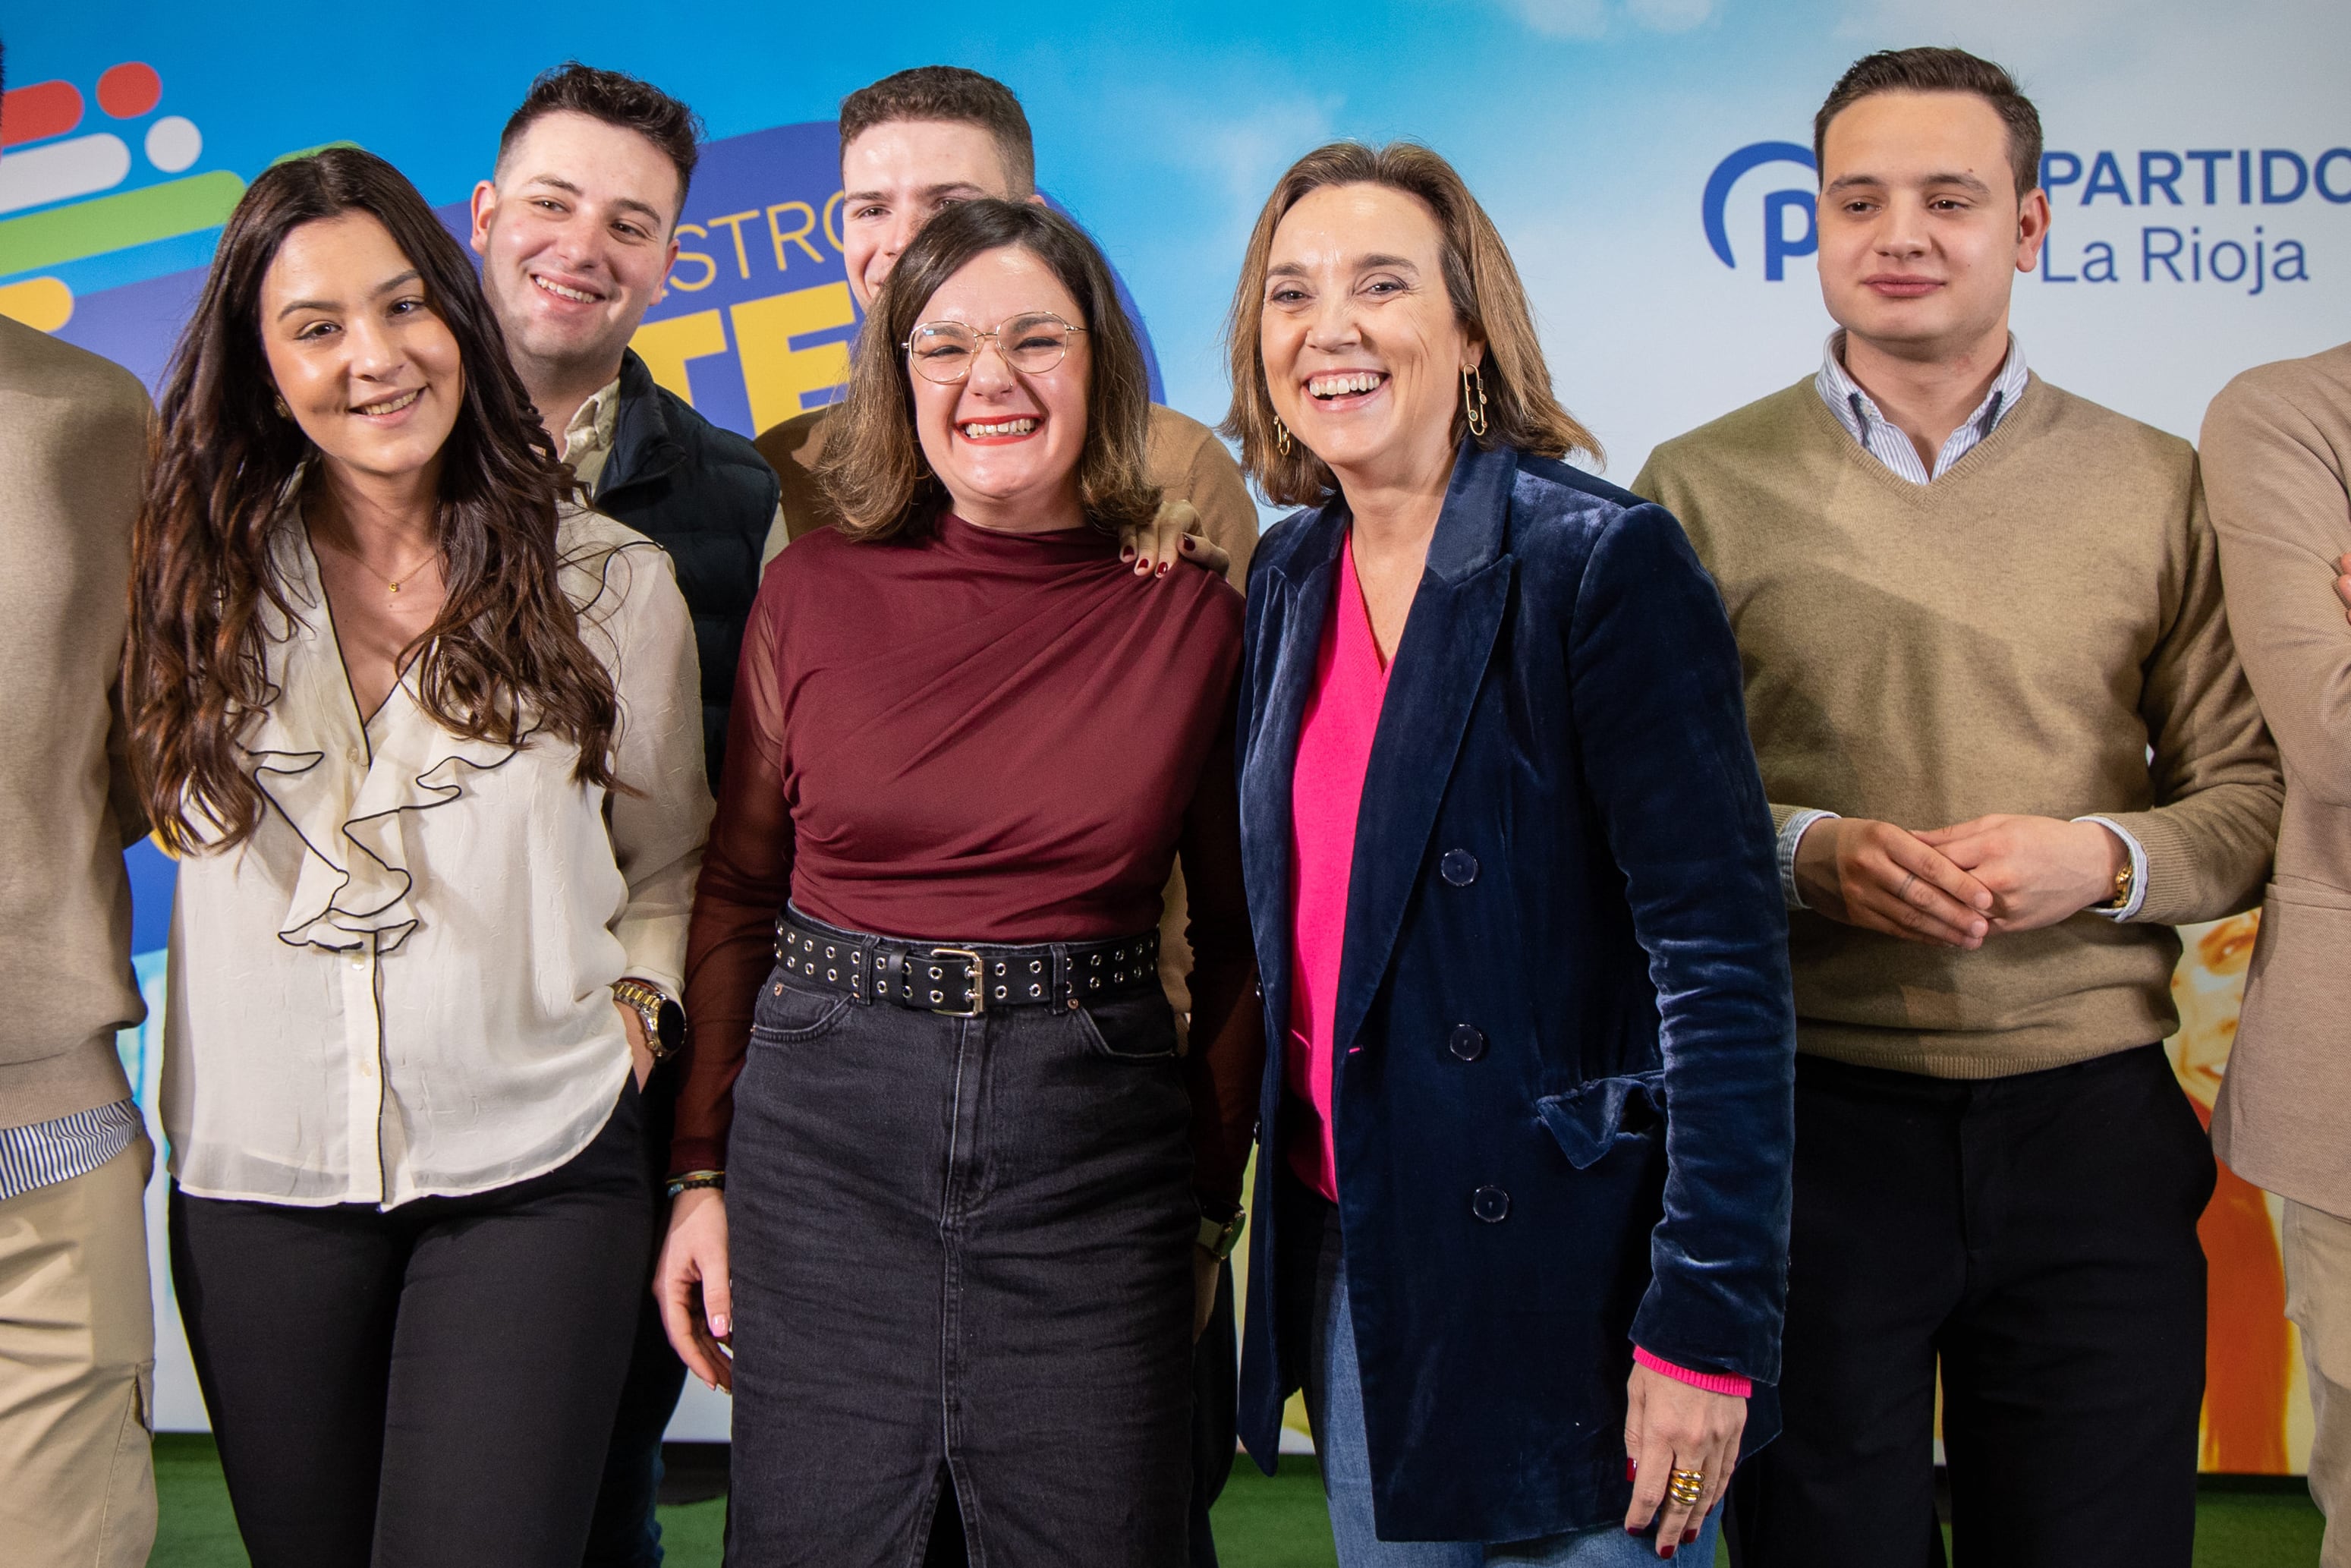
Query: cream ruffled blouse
{"points": [[400, 986]]}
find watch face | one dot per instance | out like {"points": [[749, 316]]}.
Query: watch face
{"points": [[669, 1025]]}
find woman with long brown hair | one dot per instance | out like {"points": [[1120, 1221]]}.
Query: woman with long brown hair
{"points": [[944, 1179], [426, 737]]}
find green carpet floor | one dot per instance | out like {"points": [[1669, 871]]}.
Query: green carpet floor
{"points": [[1260, 1523]]}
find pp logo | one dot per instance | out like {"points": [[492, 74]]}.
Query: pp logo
{"points": [[1779, 206]]}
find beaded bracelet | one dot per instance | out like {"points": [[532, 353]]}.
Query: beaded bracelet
{"points": [[693, 1179]]}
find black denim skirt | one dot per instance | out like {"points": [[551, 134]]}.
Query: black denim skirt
{"points": [[961, 1254]]}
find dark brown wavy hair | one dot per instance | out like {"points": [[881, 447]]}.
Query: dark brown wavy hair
{"points": [[872, 465], [503, 659], [1481, 281]]}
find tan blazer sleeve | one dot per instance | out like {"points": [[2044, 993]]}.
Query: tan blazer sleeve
{"points": [[2275, 460]]}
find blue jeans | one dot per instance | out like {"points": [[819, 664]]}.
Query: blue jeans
{"points": [[1334, 1404]]}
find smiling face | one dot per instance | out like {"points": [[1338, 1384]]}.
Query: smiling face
{"points": [[1363, 354], [371, 374], [896, 176], [576, 234], [1007, 443], [1921, 232]]}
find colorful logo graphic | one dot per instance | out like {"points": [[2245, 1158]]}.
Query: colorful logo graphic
{"points": [[755, 326], [68, 191]]}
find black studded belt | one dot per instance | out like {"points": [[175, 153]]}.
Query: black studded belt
{"points": [[963, 979]]}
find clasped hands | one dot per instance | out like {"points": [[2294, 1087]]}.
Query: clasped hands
{"points": [[1955, 886]]}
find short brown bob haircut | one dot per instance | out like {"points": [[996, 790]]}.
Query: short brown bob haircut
{"points": [[616, 99], [1941, 70], [873, 465], [958, 96], [1489, 301]]}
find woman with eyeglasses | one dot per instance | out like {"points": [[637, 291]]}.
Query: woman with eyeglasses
{"points": [[948, 1191]]}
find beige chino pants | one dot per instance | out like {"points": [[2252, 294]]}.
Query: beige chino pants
{"points": [[76, 1370], [2318, 1300]]}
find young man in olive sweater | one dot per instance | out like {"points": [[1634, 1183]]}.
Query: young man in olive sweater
{"points": [[1991, 688]]}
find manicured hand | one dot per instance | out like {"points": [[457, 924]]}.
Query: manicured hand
{"points": [[1206, 1269], [2039, 870], [1878, 877], [691, 1282], [1671, 1426], [1173, 535]]}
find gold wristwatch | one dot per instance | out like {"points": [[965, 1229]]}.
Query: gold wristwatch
{"points": [[1217, 1237], [663, 1019], [2123, 882]]}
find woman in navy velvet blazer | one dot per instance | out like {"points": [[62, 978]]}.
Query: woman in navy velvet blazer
{"points": [[1522, 1200]]}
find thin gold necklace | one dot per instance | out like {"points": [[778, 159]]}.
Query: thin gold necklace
{"points": [[393, 582]]}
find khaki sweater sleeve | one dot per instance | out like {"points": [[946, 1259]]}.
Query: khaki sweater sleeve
{"points": [[1189, 464], [1658, 482], [2274, 475], [2210, 837], [1214, 485]]}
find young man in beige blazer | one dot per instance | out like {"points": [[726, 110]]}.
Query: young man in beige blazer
{"points": [[2277, 448]]}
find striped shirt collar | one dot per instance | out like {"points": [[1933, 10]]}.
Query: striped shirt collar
{"points": [[1858, 413]]}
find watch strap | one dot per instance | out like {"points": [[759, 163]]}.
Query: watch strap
{"points": [[663, 1019], [1219, 1237]]}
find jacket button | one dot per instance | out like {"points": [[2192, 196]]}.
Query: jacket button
{"points": [[1459, 867], [1468, 1041], [1489, 1203]]}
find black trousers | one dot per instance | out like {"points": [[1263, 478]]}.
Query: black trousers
{"points": [[2035, 1236], [626, 1532], [427, 1387]]}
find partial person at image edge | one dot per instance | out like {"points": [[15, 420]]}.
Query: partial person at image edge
{"points": [[2277, 472]]}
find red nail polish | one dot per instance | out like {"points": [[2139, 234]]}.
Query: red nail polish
{"points": [[1631, 1465], [1690, 1538], [1669, 1551]]}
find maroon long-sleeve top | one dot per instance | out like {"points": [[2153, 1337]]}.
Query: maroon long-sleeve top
{"points": [[979, 737]]}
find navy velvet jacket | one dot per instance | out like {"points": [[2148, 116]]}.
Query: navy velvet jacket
{"points": [[1562, 844]]}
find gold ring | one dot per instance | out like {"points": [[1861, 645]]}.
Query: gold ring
{"points": [[1686, 1487]]}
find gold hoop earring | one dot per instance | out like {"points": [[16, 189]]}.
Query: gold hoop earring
{"points": [[1280, 436], [1473, 386], [283, 411]]}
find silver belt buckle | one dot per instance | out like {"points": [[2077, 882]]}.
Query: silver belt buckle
{"points": [[978, 982]]}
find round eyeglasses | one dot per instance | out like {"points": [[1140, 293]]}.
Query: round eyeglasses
{"points": [[1032, 344]]}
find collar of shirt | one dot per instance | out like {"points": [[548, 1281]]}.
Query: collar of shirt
{"points": [[1859, 414], [588, 439]]}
